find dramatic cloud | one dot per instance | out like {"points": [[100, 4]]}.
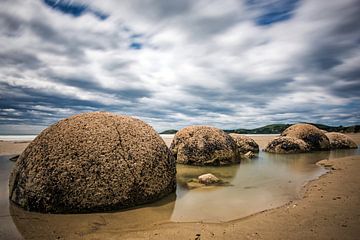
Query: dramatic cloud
{"points": [[174, 63]]}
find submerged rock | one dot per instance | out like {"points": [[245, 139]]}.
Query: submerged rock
{"points": [[203, 145], [310, 134], [340, 141], [287, 145], [93, 162], [245, 143], [208, 179]]}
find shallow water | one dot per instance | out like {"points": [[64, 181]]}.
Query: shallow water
{"points": [[268, 181]]}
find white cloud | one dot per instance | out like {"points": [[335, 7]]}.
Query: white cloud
{"points": [[198, 62]]}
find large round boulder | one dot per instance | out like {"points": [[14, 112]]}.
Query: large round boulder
{"points": [[287, 145], [310, 134], [93, 162], [245, 144], [203, 145], [340, 141]]}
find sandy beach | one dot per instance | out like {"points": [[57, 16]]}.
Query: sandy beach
{"points": [[328, 209]]}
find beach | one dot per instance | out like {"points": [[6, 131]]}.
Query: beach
{"points": [[329, 208]]}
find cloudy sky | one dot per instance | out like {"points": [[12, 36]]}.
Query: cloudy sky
{"points": [[230, 64]]}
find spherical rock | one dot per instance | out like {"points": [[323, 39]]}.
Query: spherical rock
{"points": [[244, 143], [340, 141], [310, 134], [93, 162], [287, 145], [203, 145]]}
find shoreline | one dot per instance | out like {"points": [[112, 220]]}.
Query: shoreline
{"points": [[327, 207], [275, 223]]}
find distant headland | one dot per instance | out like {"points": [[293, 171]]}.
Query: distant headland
{"points": [[278, 128]]}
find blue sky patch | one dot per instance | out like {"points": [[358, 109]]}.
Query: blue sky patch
{"points": [[136, 46], [273, 11], [74, 9]]}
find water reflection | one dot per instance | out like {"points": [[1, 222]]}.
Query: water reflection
{"points": [[268, 181], [34, 225]]}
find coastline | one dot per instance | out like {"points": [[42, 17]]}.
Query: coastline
{"points": [[328, 208]]}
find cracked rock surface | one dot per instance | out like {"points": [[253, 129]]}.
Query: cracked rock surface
{"points": [[340, 141], [203, 145], [314, 137], [93, 162], [245, 143]]}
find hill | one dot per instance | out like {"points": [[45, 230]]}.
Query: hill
{"points": [[278, 128]]}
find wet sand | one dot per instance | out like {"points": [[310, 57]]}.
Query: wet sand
{"points": [[12, 147], [328, 209]]}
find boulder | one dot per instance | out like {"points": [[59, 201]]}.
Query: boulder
{"points": [[287, 145], [310, 134], [208, 179], [203, 145], [244, 143], [93, 162], [340, 141]]}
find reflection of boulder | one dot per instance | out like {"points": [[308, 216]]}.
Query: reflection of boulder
{"points": [[310, 134], [187, 175], [303, 162], [287, 145], [244, 143], [109, 225], [93, 162], [340, 141], [202, 145]]}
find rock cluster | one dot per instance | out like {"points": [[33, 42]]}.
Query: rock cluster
{"points": [[301, 138], [314, 137], [340, 141], [93, 162], [203, 145]]}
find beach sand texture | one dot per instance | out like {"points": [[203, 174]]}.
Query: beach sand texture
{"points": [[329, 209]]}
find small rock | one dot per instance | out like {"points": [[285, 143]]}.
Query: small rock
{"points": [[208, 179]]}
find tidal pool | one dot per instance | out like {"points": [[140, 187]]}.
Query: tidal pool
{"points": [[267, 181]]}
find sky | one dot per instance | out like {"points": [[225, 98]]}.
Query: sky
{"points": [[229, 64]]}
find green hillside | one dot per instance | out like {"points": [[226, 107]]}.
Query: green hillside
{"points": [[278, 128]]}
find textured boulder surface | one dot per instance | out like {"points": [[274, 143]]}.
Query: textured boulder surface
{"points": [[203, 145], [287, 145], [244, 143], [314, 137], [340, 141], [93, 162], [249, 154]]}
